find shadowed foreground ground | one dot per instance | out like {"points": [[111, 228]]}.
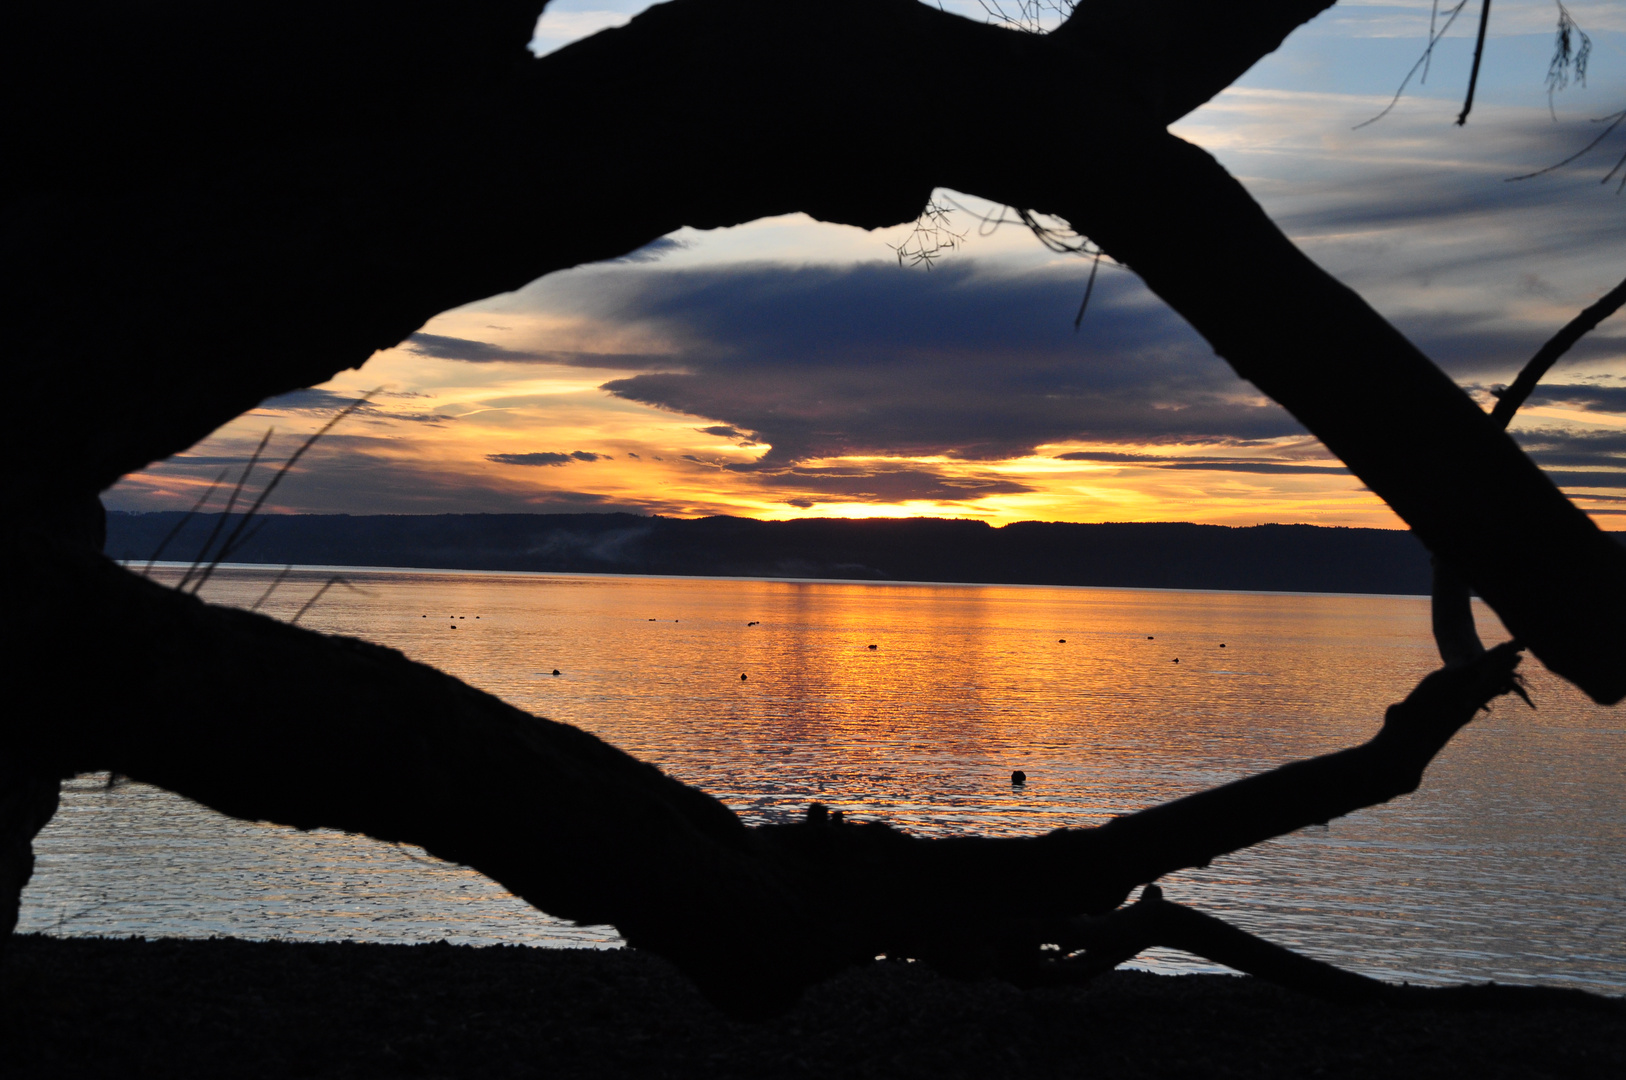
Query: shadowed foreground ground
{"points": [[233, 1008]]}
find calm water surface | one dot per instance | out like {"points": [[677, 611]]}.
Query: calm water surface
{"points": [[1509, 864]]}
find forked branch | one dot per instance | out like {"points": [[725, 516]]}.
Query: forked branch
{"points": [[1509, 400], [1455, 634], [1095, 946]]}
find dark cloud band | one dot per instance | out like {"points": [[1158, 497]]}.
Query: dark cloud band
{"points": [[546, 458]]}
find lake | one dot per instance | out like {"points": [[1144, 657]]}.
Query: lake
{"points": [[1508, 864]]}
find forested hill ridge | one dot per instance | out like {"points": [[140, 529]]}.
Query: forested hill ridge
{"points": [[1288, 558]]}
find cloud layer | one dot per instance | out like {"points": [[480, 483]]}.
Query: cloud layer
{"points": [[962, 362]]}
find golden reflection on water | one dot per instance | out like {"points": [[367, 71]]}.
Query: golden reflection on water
{"points": [[1108, 700]]}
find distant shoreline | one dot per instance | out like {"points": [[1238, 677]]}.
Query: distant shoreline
{"points": [[1262, 558], [333, 568]]}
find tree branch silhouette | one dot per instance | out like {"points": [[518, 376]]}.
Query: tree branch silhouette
{"points": [[262, 201], [1479, 54], [586, 832], [1451, 607]]}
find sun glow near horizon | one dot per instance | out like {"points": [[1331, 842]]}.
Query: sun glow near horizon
{"points": [[552, 441]]}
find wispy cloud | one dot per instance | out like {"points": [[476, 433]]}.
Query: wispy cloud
{"points": [[546, 458], [883, 484], [1210, 464], [317, 401], [466, 349]]}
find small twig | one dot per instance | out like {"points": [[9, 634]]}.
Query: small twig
{"points": [[1620, 167], [1089, 287], [1056, 240], [1509, 400], [1428, 53], [220, 523], [336, 579], [1422, 64], [266, 595], [63, 916], [1053, 239], [1030, 14], [933, 234], [1613, 121], [1479, 52], [235, 540], [181, 524], [1566, 54]]}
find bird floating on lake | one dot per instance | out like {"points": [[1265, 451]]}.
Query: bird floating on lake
{"points": [[556, 671], [1061, 641], [1018, 777], [742, 678]]}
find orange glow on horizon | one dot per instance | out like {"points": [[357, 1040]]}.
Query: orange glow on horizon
{"points": [[399, 458]]}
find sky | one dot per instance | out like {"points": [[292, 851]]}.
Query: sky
{"points": [[788, 368]]}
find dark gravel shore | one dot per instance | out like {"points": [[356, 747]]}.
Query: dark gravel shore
{"points": [[229, 1008]]}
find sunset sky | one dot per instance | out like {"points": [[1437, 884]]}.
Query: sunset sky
{"points": [[787, 368]]}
